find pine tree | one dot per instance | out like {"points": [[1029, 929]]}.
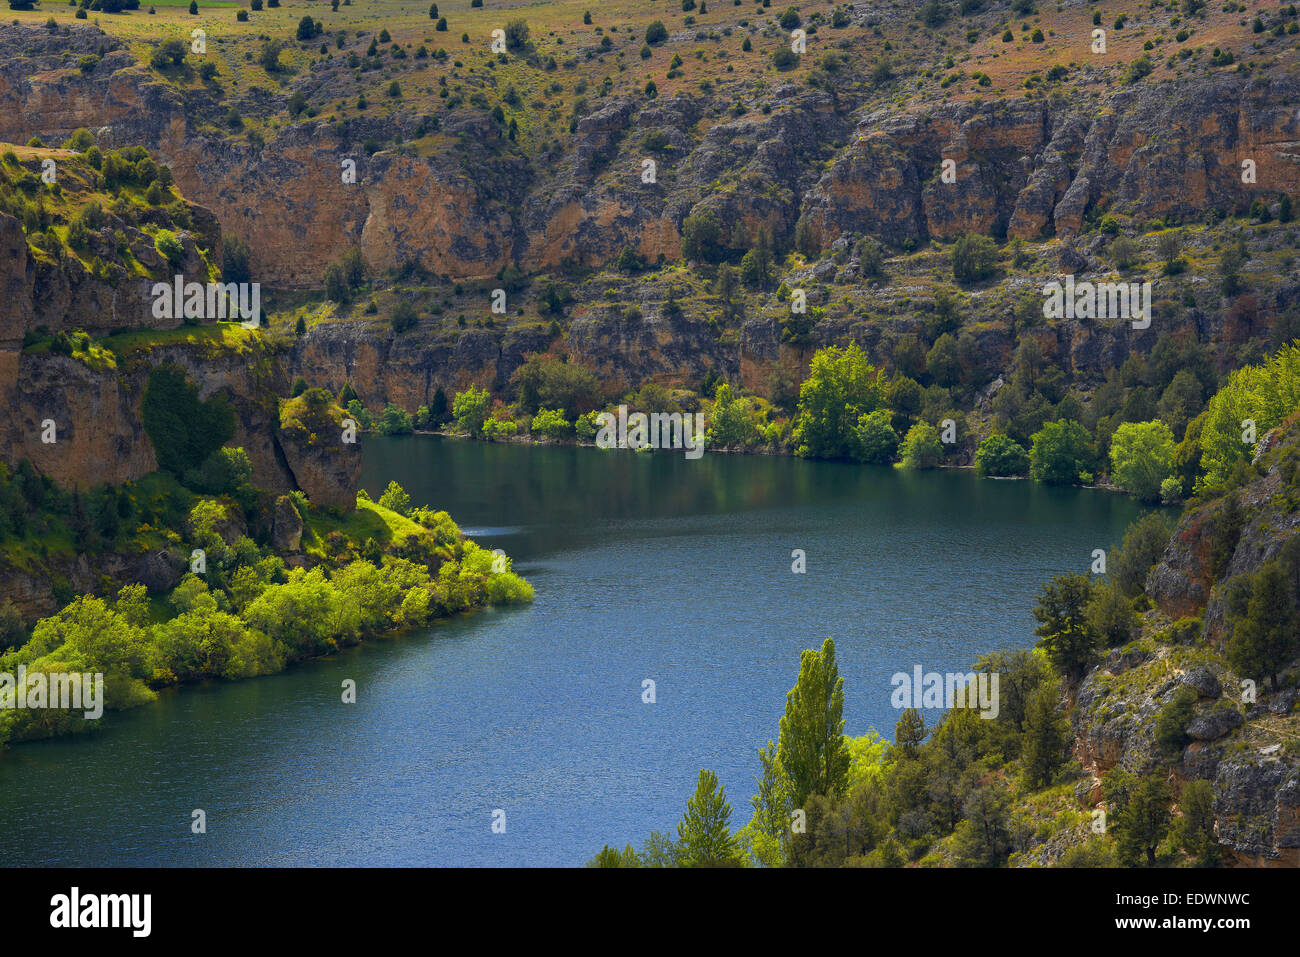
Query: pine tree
{"points": [[811, 747], [909, 732], [1265, 639], [1043, 747], [1065, 631], [1140, 819], [704, 832], [1195, 828]]}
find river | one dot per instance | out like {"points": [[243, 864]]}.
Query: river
{"points": [[646, 566]]}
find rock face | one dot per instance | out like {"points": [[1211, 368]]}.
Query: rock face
{"points": [[321, 452], [1023, 168], [286, 527], [99, 435], [1184, 582], [33, 591], [63, 295]]}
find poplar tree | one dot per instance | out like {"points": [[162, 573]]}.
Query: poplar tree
{"points": [[811, 747]]}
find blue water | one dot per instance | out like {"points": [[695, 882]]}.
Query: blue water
{"points": [[645, 566]]}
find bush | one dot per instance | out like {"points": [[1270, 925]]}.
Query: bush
{"points": [[395, 421], [224, 472], [551, 423], [169, 53], [1001, 455], [785, 59], [1061, 451], [516, 34], [1123, 252], [470, 410], [876, 440], [1172, 720], [973, 258], [921, 448], [404, 316], [656, 33], [499, 428]]}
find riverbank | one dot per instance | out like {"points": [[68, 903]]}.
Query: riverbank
{"points": [[245, 611]]}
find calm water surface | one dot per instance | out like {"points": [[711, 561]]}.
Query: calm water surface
{"points": [[645, 566]]}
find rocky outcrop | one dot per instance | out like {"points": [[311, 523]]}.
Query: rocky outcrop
{"points": [[1246, 749], [1184, 583], [286, 526], [43, 587], [60, 294], [321, 448], [95, 419]]}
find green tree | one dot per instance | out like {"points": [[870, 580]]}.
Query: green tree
{"points": [[983, 837], [1262, 396], [921, 447], [545, 381], [1267, 636], [169, 53], [183, 430], [336, 287], [1045, 737], [1000, 454], [270, 56], [551, 423], [1142, 457], [516, 34], [973, 258], [702, 236], [909, 732], [1172, 720], [1144, 543], [1181, 401], [609, 857], [1111, 614], [811, 746], [756, 264], [470, 410], [941, 363], [1140, 818], [1195, 828], [731, 421], [704, 832], [395, 420], [841, 387], [354, 267], [1060, 452], [1064, 631], [876, 441]]}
